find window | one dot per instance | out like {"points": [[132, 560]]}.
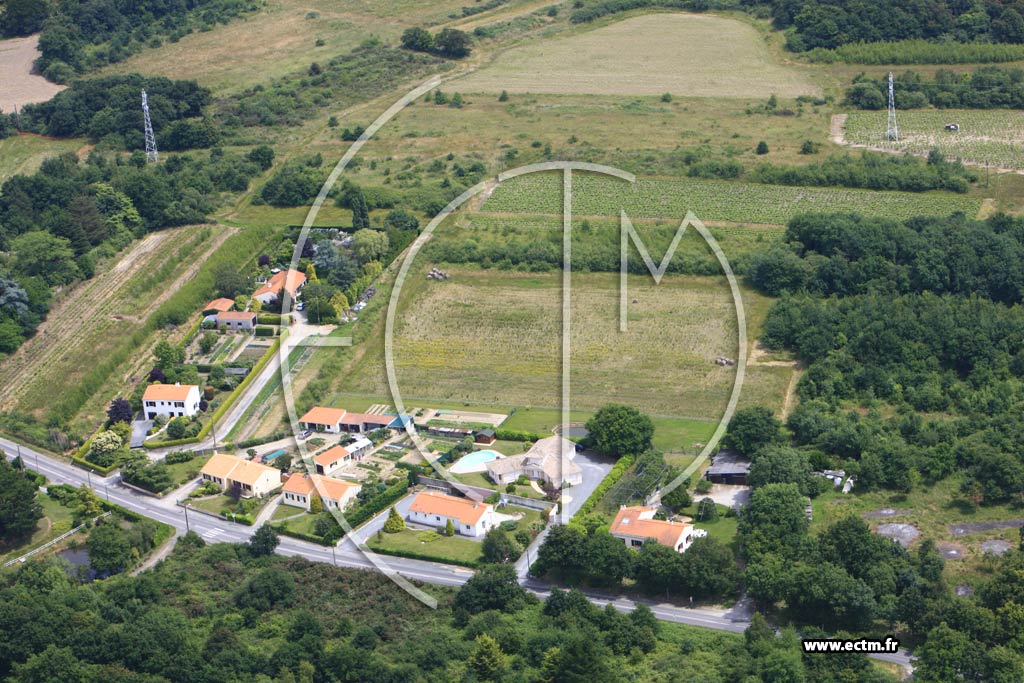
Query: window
{"points": [[151, 404], [636, 544], [179, 404]]}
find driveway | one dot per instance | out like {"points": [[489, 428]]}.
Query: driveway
{"points": [[377, 523], [728, 495], [595, 468], [140, 428]]}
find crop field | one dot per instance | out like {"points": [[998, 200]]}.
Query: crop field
{"points": [[97, 315], [25, 153], [720, 200], [494, 338], [281, 38], [995, 137], [693, 55]]}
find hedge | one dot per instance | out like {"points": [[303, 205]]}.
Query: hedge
{"points": [[248, 443], [319, 540], [203, 367], [265, 331], [624, 463], [79, 459], [380, 502], [228, 402], [424, 556], [516, 435], [268, 319], [238, 517]]}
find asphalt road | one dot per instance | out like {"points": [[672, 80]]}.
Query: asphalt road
{"points": [[216, 530]]}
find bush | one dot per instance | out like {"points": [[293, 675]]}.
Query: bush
{"points": [[268, 319], [262, 331], [703, 486]]}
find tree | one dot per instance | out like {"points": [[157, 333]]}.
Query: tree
{"points": [[394, 523], [400, 219], [417, 39], [782, 465], [39, 253], [370, 245], [208, 341], [228, 281], [263, 542], [658, 568], [354, 199], [498, 547], [453, 43], [262, 156], [19, 510], [449, 528], [620, 430], [88, 504], [774, 521], [104, 448], [177, 428], [311, 272], [494, 586], [167, 355], [488, 662], [23, 17], [109, 549], [340, 304], [677, 499], [120, 410], [751, 429], [316, 504], [762, 147]]}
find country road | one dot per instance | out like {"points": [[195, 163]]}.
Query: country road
{"points": [[216, 530]]}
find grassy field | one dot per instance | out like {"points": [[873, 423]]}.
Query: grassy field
{"points": [[692, 54], [56, 520], [985, 136], [493, 338], [421, 543], [713, 199], [25, 153]]}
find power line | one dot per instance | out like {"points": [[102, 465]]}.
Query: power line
{"points": [[892, 133], [151, 153]]}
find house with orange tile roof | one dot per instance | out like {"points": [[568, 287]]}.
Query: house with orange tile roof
{"points": [[236, 320], [635, 525], [338, 420], [251, 478], [300, 488], [337, 457], [290, 281], [170, 400], [469, 517], [220, 305]]}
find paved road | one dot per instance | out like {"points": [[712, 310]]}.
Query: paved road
{"points": [[216, 530]]}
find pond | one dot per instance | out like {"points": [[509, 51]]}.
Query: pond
{"points": [[78, 558]]}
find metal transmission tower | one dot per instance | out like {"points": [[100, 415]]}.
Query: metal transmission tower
{"points": [[892, 133], [151, 153]]}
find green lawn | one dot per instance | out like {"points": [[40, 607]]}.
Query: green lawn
{"points": [[304, 525], [182, 472], [217, 503], [441, 548]]}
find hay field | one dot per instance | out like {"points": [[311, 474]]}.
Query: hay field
{"points": [[280, 39], [18, 85], [689, 55], [25, 153], [494, 338]]}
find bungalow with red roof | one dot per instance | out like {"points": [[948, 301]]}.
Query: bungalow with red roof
{"points": [[338, 420], [249, 477], [469, 517], [336, 494], [338, 456], [221, 305], [236, 320], [290, 281], [170, 400], [635, 525]]}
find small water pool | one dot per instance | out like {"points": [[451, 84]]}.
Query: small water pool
{"points": [[475, 462]]}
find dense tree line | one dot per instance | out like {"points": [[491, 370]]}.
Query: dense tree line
{"points": [[110, 109], [448, 42], [831, 23], [988, 87], [230, 612], [917, 52], [873, 171], [57, 223], [82, 35]]}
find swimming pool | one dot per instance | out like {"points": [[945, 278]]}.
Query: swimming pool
{"points": [[475, 462]]}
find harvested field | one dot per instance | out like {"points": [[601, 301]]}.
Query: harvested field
{"points": [[692, 55], [25, 153], [18, 85]]}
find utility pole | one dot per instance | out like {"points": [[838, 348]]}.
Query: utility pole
{"points": [[187, 527], [892, 133], [151, 154]]}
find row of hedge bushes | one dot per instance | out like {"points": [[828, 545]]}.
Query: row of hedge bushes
{"points": [[268, 319], [319, 540], [263, 331], [620, 468], [256, 441], [379, 503], [412, 555], [79, 459], [517, 435], [228, 402]]}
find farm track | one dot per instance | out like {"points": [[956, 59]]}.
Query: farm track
{"points": [[90, 310]]}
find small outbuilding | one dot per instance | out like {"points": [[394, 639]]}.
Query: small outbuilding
{"points": [[485, 436], [728, 467]]}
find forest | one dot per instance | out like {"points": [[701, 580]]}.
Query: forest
{"points": [[988, 87], [231, 612], [79, 36]]}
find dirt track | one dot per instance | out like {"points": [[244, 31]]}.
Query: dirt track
{"points": [[18, 85]]}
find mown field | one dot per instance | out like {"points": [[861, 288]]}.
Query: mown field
{"points": [[713, 199], [995, 137], [494, 338], [686, 54]]}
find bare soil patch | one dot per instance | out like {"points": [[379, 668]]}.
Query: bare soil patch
{"points": [[973, 527], [883, 513], [904, 534], [951, 551], [18, 85], [997, 546]]}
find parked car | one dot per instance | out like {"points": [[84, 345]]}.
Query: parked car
{"points": [[304, 434]]}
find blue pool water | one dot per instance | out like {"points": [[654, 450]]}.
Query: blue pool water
{"points": [[475, 461]]}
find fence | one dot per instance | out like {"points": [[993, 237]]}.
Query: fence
{"points": [[50, 543], [531, 503], [449, 487]]}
